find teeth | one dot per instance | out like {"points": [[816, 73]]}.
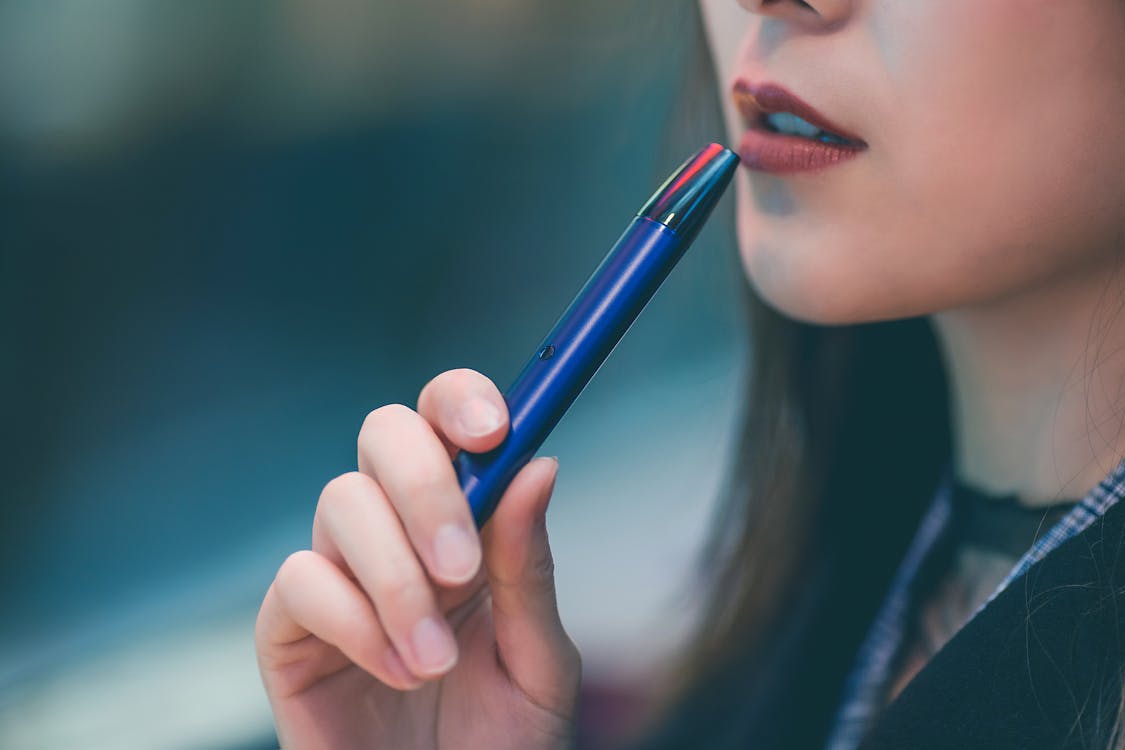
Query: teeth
{"points": [[787, 122], [790, 124]]}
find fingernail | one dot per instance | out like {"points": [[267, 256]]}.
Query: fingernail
{"points": [[456, 552], [394, 664], [479, 417], [433, 646]]}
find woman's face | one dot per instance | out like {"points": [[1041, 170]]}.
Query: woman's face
{"points": [[995, 157]]}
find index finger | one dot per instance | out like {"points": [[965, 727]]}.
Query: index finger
{"points": [[466, 411]]}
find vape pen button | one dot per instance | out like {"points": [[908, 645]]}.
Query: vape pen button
{"points": [[547, 352]]}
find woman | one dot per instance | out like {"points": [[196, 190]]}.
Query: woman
{"points": [[967, 243]]}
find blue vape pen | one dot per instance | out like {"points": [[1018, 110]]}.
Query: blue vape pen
{"points": [[595, 321]]}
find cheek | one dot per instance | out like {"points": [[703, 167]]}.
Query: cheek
{"points": [[994, 163], [1006, 157]]}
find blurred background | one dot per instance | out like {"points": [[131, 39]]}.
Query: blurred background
{"points": [[231, 229]]}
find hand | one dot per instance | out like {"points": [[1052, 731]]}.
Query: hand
{"points": [[390, 632]]}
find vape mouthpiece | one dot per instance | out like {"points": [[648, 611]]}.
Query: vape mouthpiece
{"points": [[684, 202]]}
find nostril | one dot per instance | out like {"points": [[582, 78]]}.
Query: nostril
{"points": [[822, 13], [802, 3]]}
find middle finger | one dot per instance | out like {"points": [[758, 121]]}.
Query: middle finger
{"points": [[400, 449]]}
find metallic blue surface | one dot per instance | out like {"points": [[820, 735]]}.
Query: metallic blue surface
{"points": [[594, 323]]}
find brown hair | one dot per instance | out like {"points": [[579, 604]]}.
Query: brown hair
{"points": [[844, 434]]}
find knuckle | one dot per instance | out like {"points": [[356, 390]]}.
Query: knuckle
{"points": [[360, 628], [542, 570], [344, 485], [427, 482], [341, 492], [293, 571], [380, 419], [396, 587], [536, 574]]}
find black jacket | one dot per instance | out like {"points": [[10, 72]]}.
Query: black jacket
{"points": [[1039, 667]]}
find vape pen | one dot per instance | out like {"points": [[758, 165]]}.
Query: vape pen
{"points": [[595, 321]]}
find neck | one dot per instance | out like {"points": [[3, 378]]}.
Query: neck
{"points": [[1036, 385]]}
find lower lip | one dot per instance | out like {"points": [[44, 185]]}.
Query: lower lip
{"points": [[766, 151]]}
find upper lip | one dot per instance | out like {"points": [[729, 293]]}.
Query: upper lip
{"points": [[755, 100]]}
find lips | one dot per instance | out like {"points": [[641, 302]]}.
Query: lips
{"points": [[755, 101], [764, 149]]}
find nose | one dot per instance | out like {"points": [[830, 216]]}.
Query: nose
{"points": [[819, 12]]}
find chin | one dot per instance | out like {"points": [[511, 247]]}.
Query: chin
{"points": [[815, 271], [830, 294], [810, 292], [813, 307]]}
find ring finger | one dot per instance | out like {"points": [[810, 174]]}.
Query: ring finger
{"points": [[356, 526]]}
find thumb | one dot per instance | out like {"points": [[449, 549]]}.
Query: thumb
{"points": [[533, 646]]}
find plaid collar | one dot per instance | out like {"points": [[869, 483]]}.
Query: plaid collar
{"points": [[867, 682]]}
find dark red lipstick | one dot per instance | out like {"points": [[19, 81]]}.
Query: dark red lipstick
{"points": [[764, 148]]}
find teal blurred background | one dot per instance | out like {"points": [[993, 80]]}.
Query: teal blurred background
{"points": [[232, 228]]}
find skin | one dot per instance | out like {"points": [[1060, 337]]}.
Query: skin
{"points": [[991, 199], [337, 635]]}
